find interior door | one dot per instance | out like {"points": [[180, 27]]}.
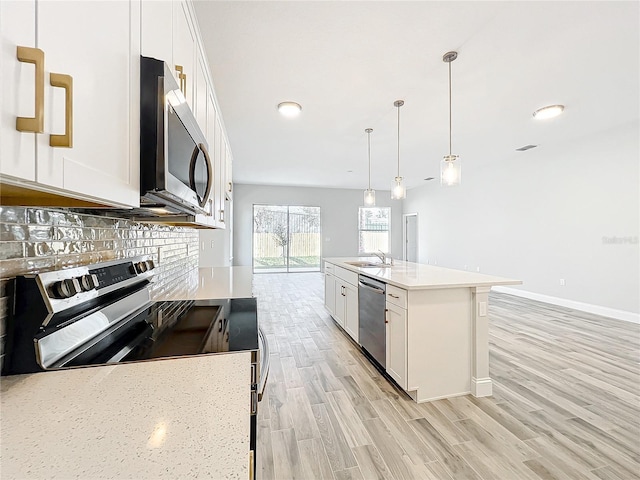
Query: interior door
{"points": [[411, 237]]}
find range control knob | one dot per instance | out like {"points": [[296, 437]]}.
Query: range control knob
{"points": [[65, 288], [141, 267], [150, 265], [88, 282]]}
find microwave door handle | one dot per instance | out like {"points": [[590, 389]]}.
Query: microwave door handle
{"points": [[192, 173], [207, 158]]}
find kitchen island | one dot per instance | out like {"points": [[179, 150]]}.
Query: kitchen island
{"points": [[437, 330], [175, 418]]}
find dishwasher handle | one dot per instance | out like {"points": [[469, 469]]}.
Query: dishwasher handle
{"points": [[371, 287]]}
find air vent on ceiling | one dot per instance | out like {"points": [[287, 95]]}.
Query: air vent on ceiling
{"points": [[526, 147]]}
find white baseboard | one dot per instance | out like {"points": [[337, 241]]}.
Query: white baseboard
{"points": [[481, 387], [563, 302]]}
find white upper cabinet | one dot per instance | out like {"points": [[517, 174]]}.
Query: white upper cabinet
{"points": [[18, 96], [90, 106], [201, 94], [157, 30], [184, 50], [78, 77]]}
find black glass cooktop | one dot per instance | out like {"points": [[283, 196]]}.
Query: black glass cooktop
{"points": [[179, 328]]}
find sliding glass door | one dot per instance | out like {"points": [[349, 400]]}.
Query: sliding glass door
{"points": [[286, 238]]}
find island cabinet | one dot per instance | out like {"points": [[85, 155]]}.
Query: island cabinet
{"points": [[396, 333], [436, 324], [70, 122], [343, 304]]}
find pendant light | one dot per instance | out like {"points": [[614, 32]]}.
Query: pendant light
{"points": [[450, 168], [369, 194], [398, 192]]}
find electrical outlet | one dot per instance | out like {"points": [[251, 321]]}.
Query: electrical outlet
{"points": [[202, 246], [562, 282]]}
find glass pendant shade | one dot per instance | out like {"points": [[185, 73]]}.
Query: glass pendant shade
{"points": [[450, 170], [369, 198], [398, 192]]}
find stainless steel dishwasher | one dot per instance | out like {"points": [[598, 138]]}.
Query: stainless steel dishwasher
{"points": [[372, 334]]}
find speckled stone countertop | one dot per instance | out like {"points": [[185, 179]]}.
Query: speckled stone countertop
{"points": [[174, 418], [211, 283], [417, 276]]}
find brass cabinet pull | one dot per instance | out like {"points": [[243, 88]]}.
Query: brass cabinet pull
{"points": [[230, 187], [386, 316], [222, 216], [64, 81], [183, 79], [33, 124]]}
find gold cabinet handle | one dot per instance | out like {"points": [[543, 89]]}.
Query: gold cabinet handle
{"points": [[33, 124], [66, 82], [222, 216], [183, 79]]}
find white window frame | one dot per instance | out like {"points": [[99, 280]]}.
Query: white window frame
{"points": [[360, 209]]}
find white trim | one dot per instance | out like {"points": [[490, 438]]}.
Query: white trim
{"points": [[563, 302], [481, 387]]}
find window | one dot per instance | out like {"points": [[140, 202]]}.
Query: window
{"points": [[373, 229], [286, 238]]}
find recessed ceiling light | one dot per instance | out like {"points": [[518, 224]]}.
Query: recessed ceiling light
{"points": [[548, 112], [289, 109]]}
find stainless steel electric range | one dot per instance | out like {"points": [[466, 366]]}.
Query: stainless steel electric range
{"points": [[102, 314]]}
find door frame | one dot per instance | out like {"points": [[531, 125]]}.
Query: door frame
{"points": [[404, 234]]}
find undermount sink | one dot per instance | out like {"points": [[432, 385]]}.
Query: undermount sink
{"points": [[366, 264]]}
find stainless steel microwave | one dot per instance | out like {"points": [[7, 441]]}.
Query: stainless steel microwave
{"points": [[176, 174]]}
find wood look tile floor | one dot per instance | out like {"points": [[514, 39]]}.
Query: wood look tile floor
{"points": [[566, 402]]}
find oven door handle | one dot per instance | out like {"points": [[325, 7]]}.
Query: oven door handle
{"points": [[263, 345]]}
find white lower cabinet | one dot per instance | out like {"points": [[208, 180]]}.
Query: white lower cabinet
{"points": [[330, 292], [396, 356], [341, 298], [351, 318]]}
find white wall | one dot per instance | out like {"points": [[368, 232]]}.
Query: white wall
{"points": [[215, 244], [339, 216], [544, 215]]}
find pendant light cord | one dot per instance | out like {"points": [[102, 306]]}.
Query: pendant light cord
{"points": [[399, 140], [369, 150], [449, 108]]}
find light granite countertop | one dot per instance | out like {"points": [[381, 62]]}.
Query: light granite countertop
{"points": [[175, 418], [417, 276], [212, 283]]}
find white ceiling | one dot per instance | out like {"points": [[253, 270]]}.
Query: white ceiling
{"points": [[347, 62]]}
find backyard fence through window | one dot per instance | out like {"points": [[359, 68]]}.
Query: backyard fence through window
{"points": [[286, 238]]}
